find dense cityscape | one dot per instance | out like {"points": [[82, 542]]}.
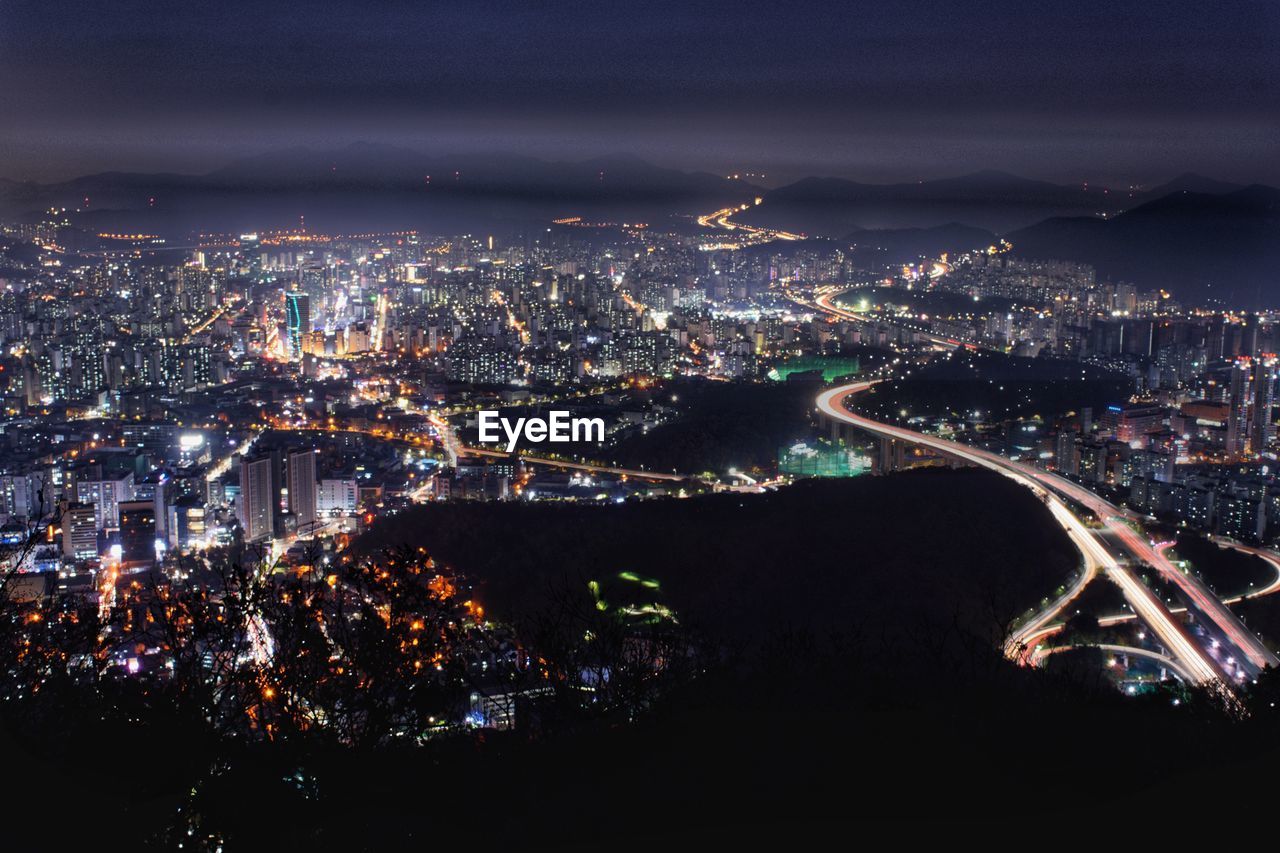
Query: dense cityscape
{"points": [[364, 483]]}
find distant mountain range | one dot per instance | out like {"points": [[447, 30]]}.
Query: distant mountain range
{"points": [[899, 245], [365, 186], [874, 248], [1208, 248], [1207, 241], [1201, 238], [993, 200]]}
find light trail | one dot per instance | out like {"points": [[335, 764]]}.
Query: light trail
{"points": [[1153, 612], [448, 438], [1116, 520], [1133, 651], [1026, 636], [822, 302], [224, 465], [418, 439], [721, 219], [379, 324], [578, 466], [203, 325], [1202, 669], [262, 646]]}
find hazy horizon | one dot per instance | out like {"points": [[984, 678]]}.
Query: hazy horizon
{"points": [[922, 90], [197, 160]]}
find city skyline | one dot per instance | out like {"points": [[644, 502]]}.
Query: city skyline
{"points": [[583, 425]]}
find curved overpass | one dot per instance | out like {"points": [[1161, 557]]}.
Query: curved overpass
{"points": [[1267, 556], [1117, 521], [1199, 667], [1134, 651]]}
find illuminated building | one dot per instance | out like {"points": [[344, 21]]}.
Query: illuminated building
{"points": [[1239, 402], [1132, 422], [189, 521], [79, 531], [301, 465], [1262, 427], [338, 497], [1240, 517], [297, 320], [105, 492], [481, 360], [17, 496], [259, 501], [1067, 455], [1251, 428]]}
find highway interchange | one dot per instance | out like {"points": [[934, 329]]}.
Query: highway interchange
{"points": [[1098, 555], [1226, 653]]}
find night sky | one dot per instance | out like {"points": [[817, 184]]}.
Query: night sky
{"points": [[1106, 91]]}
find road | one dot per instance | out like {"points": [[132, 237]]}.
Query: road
{"points": [[203, 325], [448, 439], [1038, 626], [1269, 556], [1199, 667], [1116, 520], [379, 324], [631, 473], [1271, 588], [822, 301], [1134, 651], [1118, 523], [454, 448], [721, 219]]}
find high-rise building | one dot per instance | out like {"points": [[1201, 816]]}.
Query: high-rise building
{"points": [[1240, 517], [1262, 427], [297, 307], [1249, 342], [189, 521], [1067, 457], [105, 492], [482, 360], [159, 490], [137, 534], [338, 496], [1251, 428], [301, 466], [79, 531], [259, 502], [1240, 400], [1093, 461], [357, 339], [1131, 422], [17, 496]]}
